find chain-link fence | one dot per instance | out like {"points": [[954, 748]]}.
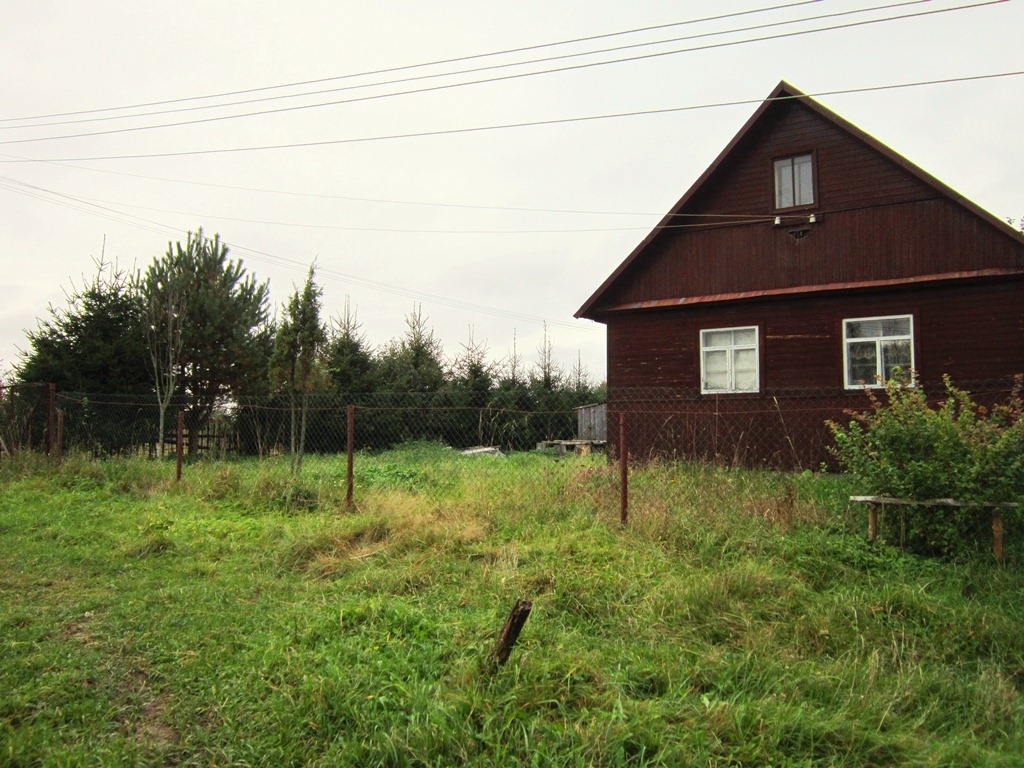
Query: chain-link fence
{"points": [[272, 425], [27, 413], [783, 428]]}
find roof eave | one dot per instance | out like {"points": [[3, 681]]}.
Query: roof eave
{"points": [[801, 290]]}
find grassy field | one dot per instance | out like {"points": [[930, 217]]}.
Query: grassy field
{"points": [[242, 619]]}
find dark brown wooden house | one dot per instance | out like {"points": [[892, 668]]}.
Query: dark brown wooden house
{"points": [[807, 262]]}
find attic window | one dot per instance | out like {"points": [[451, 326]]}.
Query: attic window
{"points": [[794, 182]]}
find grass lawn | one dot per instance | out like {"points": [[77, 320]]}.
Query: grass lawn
{"points": [[240, 618]]}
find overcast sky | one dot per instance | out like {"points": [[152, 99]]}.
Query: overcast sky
{"points": [[395, 154]]}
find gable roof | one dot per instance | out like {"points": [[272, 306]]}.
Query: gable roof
{"points": [[782, 93]]}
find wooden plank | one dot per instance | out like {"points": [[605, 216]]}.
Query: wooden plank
{"points": [[874, 502], [933, 502]]}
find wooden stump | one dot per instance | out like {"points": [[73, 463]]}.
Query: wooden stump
{"points": [[509, 634]]}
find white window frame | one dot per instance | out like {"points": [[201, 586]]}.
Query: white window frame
{"points": [[879, 378], [786, 167], [731, 349]]}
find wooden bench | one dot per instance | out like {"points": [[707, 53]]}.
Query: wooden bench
{"points": [[875, 502]]}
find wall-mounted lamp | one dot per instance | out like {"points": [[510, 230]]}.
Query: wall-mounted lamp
{"points": [[778, 221], [812, 218]]}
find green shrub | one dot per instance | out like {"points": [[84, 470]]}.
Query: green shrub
{"points": [[905, 448]]}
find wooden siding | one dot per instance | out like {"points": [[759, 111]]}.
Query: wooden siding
{"points": [[875, 221], [848, 172], [970, 330]]}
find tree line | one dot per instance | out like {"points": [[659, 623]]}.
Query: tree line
{"points": [[195, 331]]}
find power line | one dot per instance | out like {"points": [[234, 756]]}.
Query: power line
{"points": [[348, 198], [389, 70], [432, 298], [516, 76], [699, 219], [112, 214], [506, 126], [407, 80], [84, 206]]}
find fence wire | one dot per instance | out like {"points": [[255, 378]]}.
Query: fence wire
{"points": [[25, 413], [781, 428], [110, 425]]}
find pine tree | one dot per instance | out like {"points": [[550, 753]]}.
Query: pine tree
{"points": [[96, 344], [414, 363], [350, 363], [207, 316], [296, 362]]}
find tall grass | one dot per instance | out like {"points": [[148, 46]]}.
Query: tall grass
{"points": [[245, 618]]}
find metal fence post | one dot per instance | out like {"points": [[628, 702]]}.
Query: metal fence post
{"points": [[997, 535], [60, 435], [11, 419], [179, 445], [51, 417], [623, 471], [350, 413]]}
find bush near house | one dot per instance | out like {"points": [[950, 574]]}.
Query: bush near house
{"points": [[905, 447]]}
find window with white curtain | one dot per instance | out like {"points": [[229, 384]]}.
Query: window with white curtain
{"points": [[729, 360], [875, 347]]}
